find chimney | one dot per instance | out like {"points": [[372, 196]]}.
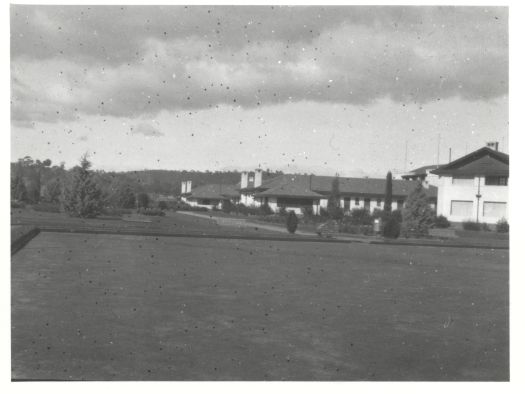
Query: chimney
{"points": [[183, 187], [188, 186], [258, 178], [493, 145], [244, 180]]}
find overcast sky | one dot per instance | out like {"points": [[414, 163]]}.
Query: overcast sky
{"points": [[309, 89]]}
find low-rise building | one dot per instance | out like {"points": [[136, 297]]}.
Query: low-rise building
{"points": [[209, 196], [474, 187], [295, 192]]}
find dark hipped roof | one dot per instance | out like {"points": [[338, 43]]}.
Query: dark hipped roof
{"points": [[214, 192], [484, 161], [296, 186], [316, 186]]}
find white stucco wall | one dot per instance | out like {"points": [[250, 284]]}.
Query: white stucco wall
{"points": [[249, 200], [448, 192]]}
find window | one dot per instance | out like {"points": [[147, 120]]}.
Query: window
{"points": [[347, 203], [461, 208], [367, 203], [379, 202], [494, 209], [496, 180], [463, 181], [357, 201], [399, 204]]}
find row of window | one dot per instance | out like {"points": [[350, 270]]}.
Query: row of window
{"points": [[489, 181], [357, 201], [491, 209]]}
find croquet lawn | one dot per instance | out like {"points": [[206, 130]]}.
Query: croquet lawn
{"points": [[122, 307]]}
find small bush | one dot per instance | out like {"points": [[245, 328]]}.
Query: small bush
{"points": [[360, 216], [471, 225], [441, 222], [227, 206], [163, 205], [307, 210], [246, 210], [142, 200], [349, 228], [291, 222], [46, 207], [502, 226], [151, 212], [323, 212], [392, 224], [282, 211], [265, 210]]}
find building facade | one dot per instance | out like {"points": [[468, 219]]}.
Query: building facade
{"points": [[474, 187], [297, 192]]}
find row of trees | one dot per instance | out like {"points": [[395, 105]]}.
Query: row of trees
{"points": [[81, 191]]}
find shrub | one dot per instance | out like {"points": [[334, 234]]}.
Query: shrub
{"points": [[163, 205], [471, 225], [151, 212], [307, 210], [417, 214], [291, 222], [502, 226], [245, 210], [392, 224], [46, 207], [227, 206], [142, 200], [18, 189], [282, 211], [360, 216], [323, 212], [265, 210], [441, 222], [349, 228]]}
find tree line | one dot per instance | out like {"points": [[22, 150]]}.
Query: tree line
{"points": [[35, 181]]}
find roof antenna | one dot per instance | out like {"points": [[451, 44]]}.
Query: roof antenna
{"points": [[449, 155]]}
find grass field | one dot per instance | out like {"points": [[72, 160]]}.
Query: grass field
{"points": [[119, 307]]}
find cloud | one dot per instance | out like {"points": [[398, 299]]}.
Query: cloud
{"points": [[131, 62], [146, 129]]}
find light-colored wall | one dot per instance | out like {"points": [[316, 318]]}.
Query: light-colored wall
{"points": [[249, 200], [447, 192]]}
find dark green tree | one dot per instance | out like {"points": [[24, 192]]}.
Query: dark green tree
{"points": [[126, 197], [388, 193], [83, 196], [418, 216], [52, 191], [142, 200], [334, 201], [291, 222], [18, 189]]}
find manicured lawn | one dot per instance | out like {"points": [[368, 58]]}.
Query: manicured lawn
{"points": [[136, 308]]}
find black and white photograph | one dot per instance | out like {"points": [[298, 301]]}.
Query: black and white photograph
{"points": [[259, 193]]}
